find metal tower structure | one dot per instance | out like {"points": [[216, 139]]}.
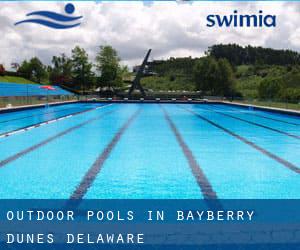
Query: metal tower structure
{"points": [[136, 82]]}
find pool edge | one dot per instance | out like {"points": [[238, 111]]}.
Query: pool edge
{"points": [[242, 105], [34, 106], [263, 108]]}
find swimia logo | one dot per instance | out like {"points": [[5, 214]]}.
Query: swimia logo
{"points": [[54, 20], [239, 20]]}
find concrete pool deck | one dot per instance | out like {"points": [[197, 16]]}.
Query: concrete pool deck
{"points": [[265, 108]]}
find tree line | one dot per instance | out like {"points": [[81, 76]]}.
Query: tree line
{"points": [[76, 71], [209, 75], [284, 87], [238, 55], [271, 73]]}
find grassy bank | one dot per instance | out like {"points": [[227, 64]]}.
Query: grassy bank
{"points": [[168, 83], [268, 82], [15, 79]]}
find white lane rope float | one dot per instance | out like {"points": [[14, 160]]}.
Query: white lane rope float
{"points": [[21, 130]]}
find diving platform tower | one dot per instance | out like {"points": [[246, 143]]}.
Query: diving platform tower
{"points": [[136, 84]]}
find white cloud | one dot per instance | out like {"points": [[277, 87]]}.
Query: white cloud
{"points": [[170, 29]]}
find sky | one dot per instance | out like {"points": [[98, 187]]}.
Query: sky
{"points": [[171, 29]]}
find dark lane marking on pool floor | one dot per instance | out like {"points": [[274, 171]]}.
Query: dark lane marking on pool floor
{"points": [[262, 116], [94, 170], [201, 179], [256, 124], [280, 160], [36, 125], [274, 119], [50, 139], [38, 114]]}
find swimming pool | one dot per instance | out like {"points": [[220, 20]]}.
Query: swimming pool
{"points": [[172, 151]]}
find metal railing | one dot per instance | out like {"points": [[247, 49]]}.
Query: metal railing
{"points": [[274, 103], [15, 101]]}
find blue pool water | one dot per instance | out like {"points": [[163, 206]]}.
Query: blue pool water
{"points": [[17, 120], [149, 151]]}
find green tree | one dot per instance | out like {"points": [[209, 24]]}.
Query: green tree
{"points": [[108, 65], [205, 74], [270, 88], [61, 71], [213, 76], [224, 83], [290, 94], [38, 70], [83, 76], [25, 69], [33, 70], [238, 55]]}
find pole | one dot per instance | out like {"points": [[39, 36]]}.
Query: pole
{"points": [[27, 99], [82, 76], [47, 98]]}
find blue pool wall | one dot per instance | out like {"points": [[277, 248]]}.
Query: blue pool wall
{"points": [[242, 106]]}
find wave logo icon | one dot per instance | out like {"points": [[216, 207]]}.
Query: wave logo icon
{"points": [[54, 20]]}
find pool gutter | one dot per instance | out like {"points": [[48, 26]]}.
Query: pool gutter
{"points": [[264, 108], [19, 108]]}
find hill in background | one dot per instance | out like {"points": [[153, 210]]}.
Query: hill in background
{"points": [[261, 73]]}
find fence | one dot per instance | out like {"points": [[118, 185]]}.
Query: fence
{"points": [[287, 104], [12, 97], [14, 94]]}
